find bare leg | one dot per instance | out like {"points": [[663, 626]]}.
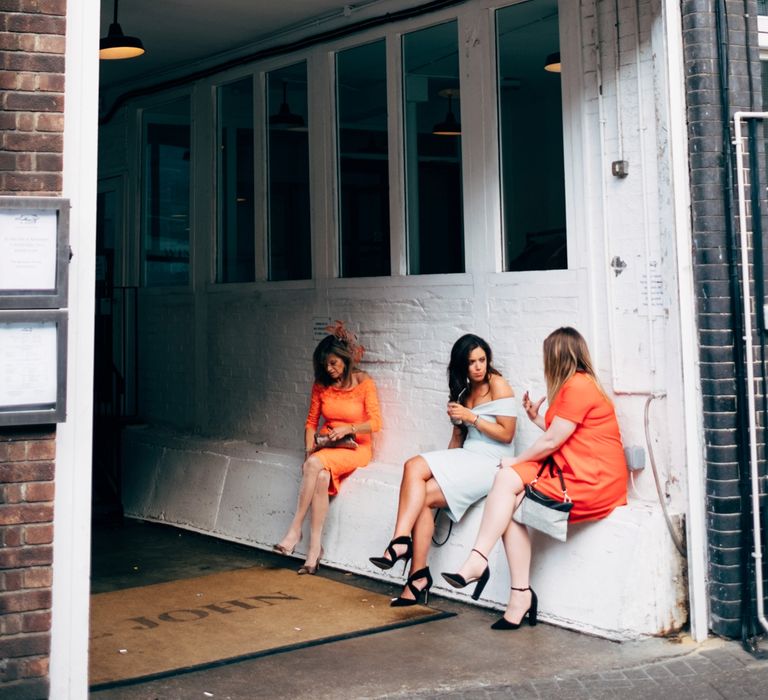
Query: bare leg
{"points": [[423, 529], [310, 470], [320, 502], [517, 546], [413, 497], [497, 515]]}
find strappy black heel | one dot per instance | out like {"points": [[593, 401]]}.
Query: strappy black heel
{"points": [[389, 562], [417, 592], [503, 624], [458, 581]]}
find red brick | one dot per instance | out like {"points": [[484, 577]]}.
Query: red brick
{"points": [[38, 450], [36, 63], [49, 162], [50, 82], [26, 556], [11, 493], [8, 80], [25, 122], [36, 621], [38, 577], [33, 668], [50, 122], [48, 43], [25, 645], [31, 185], [12, 624], [36, 24], [26, 471], [10, 41], [52, 7], [11, 536], [19, 513], [13, 580], [25, 162], [26, 81], [39, 491], [34, 102], [22, 601], [37, 534], [12, 452]]}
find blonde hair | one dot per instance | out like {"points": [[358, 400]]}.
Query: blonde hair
{"points": [[565, 353]]}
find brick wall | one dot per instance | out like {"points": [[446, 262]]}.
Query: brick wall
{"points": [[726, 447], [31, 143]]}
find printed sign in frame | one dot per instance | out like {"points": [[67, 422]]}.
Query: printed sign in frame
{"points": [[33, 366], [34, 252]]}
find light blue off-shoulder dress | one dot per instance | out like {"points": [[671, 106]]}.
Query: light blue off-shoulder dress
{"points": [[465, 474]]}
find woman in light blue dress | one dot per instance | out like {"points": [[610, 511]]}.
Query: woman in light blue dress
{"points": [[483, 411]]}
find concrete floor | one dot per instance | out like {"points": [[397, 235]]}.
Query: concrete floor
{"points": [[459, 656]]}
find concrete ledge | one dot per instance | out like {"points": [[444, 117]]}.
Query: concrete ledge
{"points": [[619, 578]]}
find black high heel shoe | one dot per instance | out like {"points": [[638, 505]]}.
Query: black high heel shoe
{"points": [[503, 624], [417, 592], [458, 581], [389, 562]]}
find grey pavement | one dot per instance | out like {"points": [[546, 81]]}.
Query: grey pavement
{"points": [[454, 657]]}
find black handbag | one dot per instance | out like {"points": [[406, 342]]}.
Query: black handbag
{"points": [[540, 512]]}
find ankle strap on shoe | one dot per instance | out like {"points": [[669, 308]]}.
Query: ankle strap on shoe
{"points": [[480, 553], [527, 588]]}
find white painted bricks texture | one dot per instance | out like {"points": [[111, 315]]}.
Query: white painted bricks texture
{"points": [[610, 579]]}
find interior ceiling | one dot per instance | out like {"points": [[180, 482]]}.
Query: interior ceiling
{"points": [[178, 32]]}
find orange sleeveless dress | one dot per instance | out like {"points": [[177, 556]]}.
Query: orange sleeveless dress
{"points": [[592, 458], [335, 406]]}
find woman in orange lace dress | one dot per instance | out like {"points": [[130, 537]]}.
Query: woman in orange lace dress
{"points": [[345, 399]]}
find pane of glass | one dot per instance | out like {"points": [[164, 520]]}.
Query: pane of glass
{"points": [[165, 194], [434, 212], [290, 255], [762, 7], [531, 135], [361, 90], [235, 206]]}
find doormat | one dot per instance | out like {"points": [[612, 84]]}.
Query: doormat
{"points": [[143, 633]]}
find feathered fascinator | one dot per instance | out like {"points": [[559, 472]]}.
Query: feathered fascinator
{"points": [[349, 338]]}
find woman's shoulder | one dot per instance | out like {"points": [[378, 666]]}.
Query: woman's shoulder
{"points": [[500, 388], [361, 377]]}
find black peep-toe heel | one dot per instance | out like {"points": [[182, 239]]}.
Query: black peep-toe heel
{"points": [[503, 624], [389, 562], [458, 581], [417, 592]]}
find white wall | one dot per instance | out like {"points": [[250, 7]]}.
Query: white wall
{"points": [[233, 361]]}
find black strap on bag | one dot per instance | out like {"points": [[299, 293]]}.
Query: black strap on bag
{"points": [[553, 469], [450, 529]]}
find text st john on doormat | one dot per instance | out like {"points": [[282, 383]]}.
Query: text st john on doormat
{"points": [[152, 631]]}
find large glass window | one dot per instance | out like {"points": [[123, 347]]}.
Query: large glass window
{"points": [[234, 192], [531, 135], [165, 193], [361, 95], [433, 174], [290, 255]]}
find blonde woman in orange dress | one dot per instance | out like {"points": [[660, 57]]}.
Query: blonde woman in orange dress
{"points": [[345, 399], [581, 434]]}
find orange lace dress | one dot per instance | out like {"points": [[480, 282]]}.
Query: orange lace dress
{"points": [[335, 406], [592, 458]]}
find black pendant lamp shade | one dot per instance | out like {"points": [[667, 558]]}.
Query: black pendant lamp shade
{"points": [[552, 64], [285, 119], [116, 45], [449, 126]]}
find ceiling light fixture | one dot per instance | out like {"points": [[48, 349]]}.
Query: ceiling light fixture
{"points": [[552, 64], [449, 126], [285, 119], [116, 45]]}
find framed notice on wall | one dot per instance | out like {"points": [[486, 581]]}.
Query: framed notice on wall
{"points": [[34, 252], [33, 365]]}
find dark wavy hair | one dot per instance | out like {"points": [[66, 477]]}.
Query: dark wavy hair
{"points": [[331, 345], [458, 367]]}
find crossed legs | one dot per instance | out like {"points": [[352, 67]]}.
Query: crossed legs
{"points": [[419, 493], [313, 493], [503, 498]]}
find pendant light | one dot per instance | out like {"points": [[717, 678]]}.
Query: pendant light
{"points": [[285, 119], [116, 45], [449, 126], [552, 64]]}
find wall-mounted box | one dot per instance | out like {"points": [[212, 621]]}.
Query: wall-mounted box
{"points": [[34, 252], [33, 366]]}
